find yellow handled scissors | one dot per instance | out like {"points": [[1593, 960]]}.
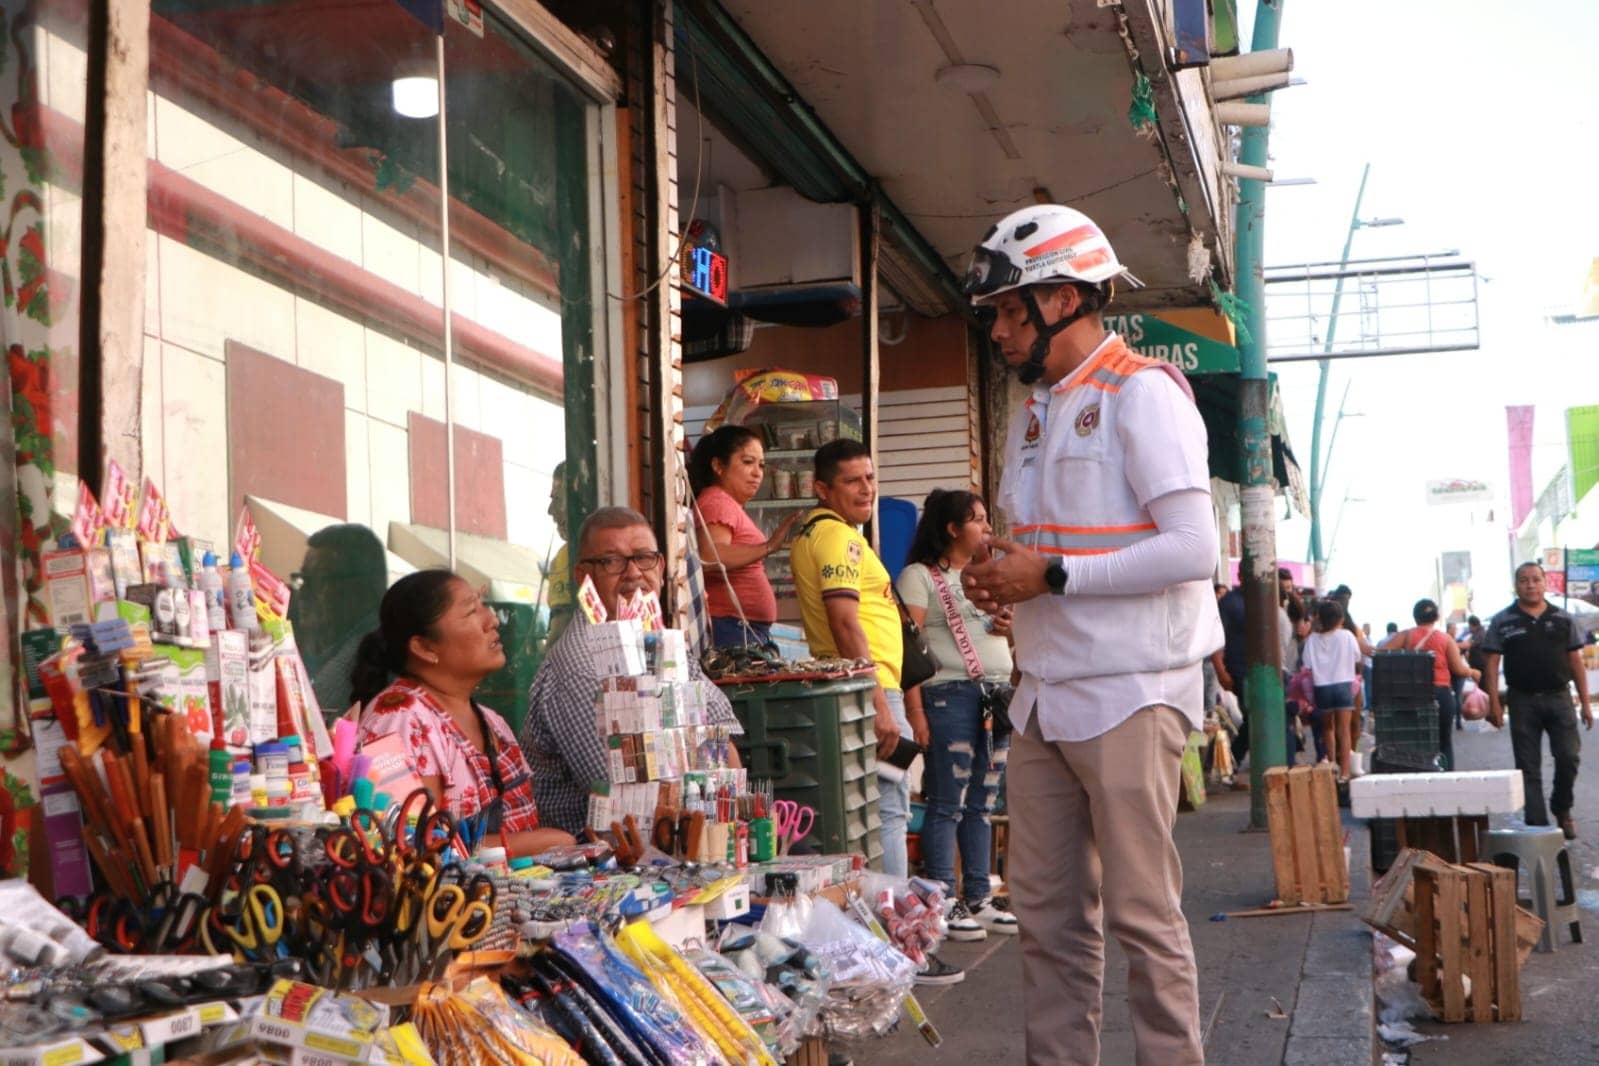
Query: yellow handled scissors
{"points": [[455, 921], [253, 931]]}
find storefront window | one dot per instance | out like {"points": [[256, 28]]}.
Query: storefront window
{"points": [[296, 360]]}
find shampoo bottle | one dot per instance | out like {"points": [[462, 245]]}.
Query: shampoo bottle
{"points": [[216, 612], [241, 596]]}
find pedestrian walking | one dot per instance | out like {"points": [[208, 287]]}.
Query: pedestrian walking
{"points": [[965, 707], [1447, 663], [1332, 657], [1107, 490], [1541, 646]]}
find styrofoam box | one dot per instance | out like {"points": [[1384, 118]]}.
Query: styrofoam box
{"points": [[1436, 795]]}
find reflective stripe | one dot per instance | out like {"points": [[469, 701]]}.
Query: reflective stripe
{"points": [[1106, 376], [1082, 540]]}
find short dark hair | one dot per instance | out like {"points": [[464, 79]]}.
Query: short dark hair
{"points": [[1533, 563], [1425, 612], [607, 518], [1473, 620], [1283, 571], [944, 507], [1393, 627], [1329, 614], [835, 453], [718, 446], [1342, 590]]}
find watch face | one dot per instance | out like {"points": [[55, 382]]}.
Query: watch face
{"points": [[1055, 576]]}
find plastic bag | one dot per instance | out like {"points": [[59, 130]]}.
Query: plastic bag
{"points": [[870, 977], [786, 916], [787, 969], [479, 1025], [911, 910]]}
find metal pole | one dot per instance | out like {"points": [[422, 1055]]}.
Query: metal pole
{"points": [[1318, 559], [1263, 680], [449, 333]]}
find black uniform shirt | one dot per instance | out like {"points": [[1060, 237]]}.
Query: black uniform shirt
{"points": [[1537, 651]]}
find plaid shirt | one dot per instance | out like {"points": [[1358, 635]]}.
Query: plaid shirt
{"points": [[561, 737]]}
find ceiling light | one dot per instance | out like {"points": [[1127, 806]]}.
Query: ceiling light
{"points": [[969, 78], [415, 89]]}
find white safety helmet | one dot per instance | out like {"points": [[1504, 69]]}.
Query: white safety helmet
{"points": [[1037, 245]]}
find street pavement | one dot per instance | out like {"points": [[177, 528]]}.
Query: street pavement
{"points": [[1557, 991], [1286, 989]]}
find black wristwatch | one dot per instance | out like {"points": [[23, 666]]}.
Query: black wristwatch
{"points": [[1055, 577]]}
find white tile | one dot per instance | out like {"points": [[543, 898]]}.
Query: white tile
{"points": [[151, 410], [331, 345], [195, 451], [549, 433], [393, 378], [327, 218], [65, 77], [430, 276], [152, 283], [463, 289], [433, 386], [390, 477], [504, 417], [466, 395], [390, 254], [357, 469], [220, 303], [214, 157], [527, 497]]}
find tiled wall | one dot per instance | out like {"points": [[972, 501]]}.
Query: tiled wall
{"points": [[196, 303]]}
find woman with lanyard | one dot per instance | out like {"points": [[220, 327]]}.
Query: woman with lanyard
{"points": [[414, 676], [967, 744]]}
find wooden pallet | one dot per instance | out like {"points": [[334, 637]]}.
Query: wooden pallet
{"points": [[1307, 837], [1466, 935], [1391, 908]]}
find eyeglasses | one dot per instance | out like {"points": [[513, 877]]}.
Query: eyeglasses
{"points": [[617, 564]]}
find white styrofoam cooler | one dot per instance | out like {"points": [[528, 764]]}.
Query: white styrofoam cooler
{"points": [[1436, 795]]}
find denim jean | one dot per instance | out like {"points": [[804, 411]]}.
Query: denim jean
{"points": [[1532, 714], [730, 632], [894, 800], [1445, 697], [960, 781]]}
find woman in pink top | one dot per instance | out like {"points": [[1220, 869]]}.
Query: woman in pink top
{"points": [[725, 472]]}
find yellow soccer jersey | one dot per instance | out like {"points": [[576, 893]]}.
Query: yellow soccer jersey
{"points": [[833, 559]]}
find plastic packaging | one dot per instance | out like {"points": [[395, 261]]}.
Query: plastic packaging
{"points": [[479, 1025], [216, 612], [241, 596]]}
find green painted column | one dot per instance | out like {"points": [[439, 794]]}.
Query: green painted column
{"points": [[1263, 679]]}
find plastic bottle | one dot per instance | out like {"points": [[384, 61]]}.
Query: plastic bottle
{"points": [[241, 596], [221, 764], [216, 611]]}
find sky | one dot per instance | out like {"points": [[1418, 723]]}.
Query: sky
{"points": [[1479, 122]]}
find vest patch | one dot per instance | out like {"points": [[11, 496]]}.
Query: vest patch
{"points": [[1087, 420]]}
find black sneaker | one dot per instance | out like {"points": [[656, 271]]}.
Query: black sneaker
{"points": [[962, 925], [939, 972]]}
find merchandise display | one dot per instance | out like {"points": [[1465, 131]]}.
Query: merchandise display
{"points": [[238, 883]]}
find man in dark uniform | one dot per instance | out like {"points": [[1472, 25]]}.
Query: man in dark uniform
{"points": [[1542, 649]]}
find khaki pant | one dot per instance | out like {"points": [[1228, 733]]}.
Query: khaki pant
{"points": [[1085, 815]]}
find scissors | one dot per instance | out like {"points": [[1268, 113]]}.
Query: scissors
{"points": [[180, 914], [365, 843], [115, 922], [792, 822], [458, 916], [433, 832], [349, 910], [265, 856], [253, 931]]}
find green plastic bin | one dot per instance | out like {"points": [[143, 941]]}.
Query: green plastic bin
{"points": [[814, 742]]}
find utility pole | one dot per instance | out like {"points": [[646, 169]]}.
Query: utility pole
{"points": [[1263, 680], [1318, 475]]}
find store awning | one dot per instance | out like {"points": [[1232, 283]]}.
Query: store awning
{"points": [[285, 529], [512, 573], [1217, 396]]}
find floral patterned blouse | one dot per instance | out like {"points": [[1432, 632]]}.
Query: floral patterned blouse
{"points": [[437, 746]]}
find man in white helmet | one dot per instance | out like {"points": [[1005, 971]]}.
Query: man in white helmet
{"points": [[1107, 491]]}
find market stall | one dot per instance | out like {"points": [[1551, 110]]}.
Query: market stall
{"points": [[234, 881]]}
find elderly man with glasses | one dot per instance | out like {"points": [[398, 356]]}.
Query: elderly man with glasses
{"points": [[617, 551]]}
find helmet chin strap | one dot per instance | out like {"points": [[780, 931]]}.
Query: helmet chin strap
{"points": [[1029, 372]]}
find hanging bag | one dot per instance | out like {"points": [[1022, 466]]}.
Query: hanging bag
{"points": [[996, 695]]}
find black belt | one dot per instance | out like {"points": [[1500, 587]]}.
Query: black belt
{"points": [[1563, 690]]}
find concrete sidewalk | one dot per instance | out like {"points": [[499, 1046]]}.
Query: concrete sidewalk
{"points": [[1315, 967]]}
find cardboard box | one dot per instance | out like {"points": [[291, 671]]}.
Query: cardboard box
{"points": [[71, 1051], [228, 666]]}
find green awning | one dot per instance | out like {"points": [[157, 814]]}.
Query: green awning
{"points": [[1217, 396]]}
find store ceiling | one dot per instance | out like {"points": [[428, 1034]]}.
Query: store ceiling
{"points": [[868, 70]]}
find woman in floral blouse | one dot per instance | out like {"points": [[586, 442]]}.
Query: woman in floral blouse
{"points": [[414, 676]]}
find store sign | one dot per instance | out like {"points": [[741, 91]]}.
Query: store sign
{"points": [[1195, 341], [702, 269], [1458, 490]]}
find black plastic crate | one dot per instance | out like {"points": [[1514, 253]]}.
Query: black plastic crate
{"points": [[1389, 759], [1384, 844], [1401, 676]]}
